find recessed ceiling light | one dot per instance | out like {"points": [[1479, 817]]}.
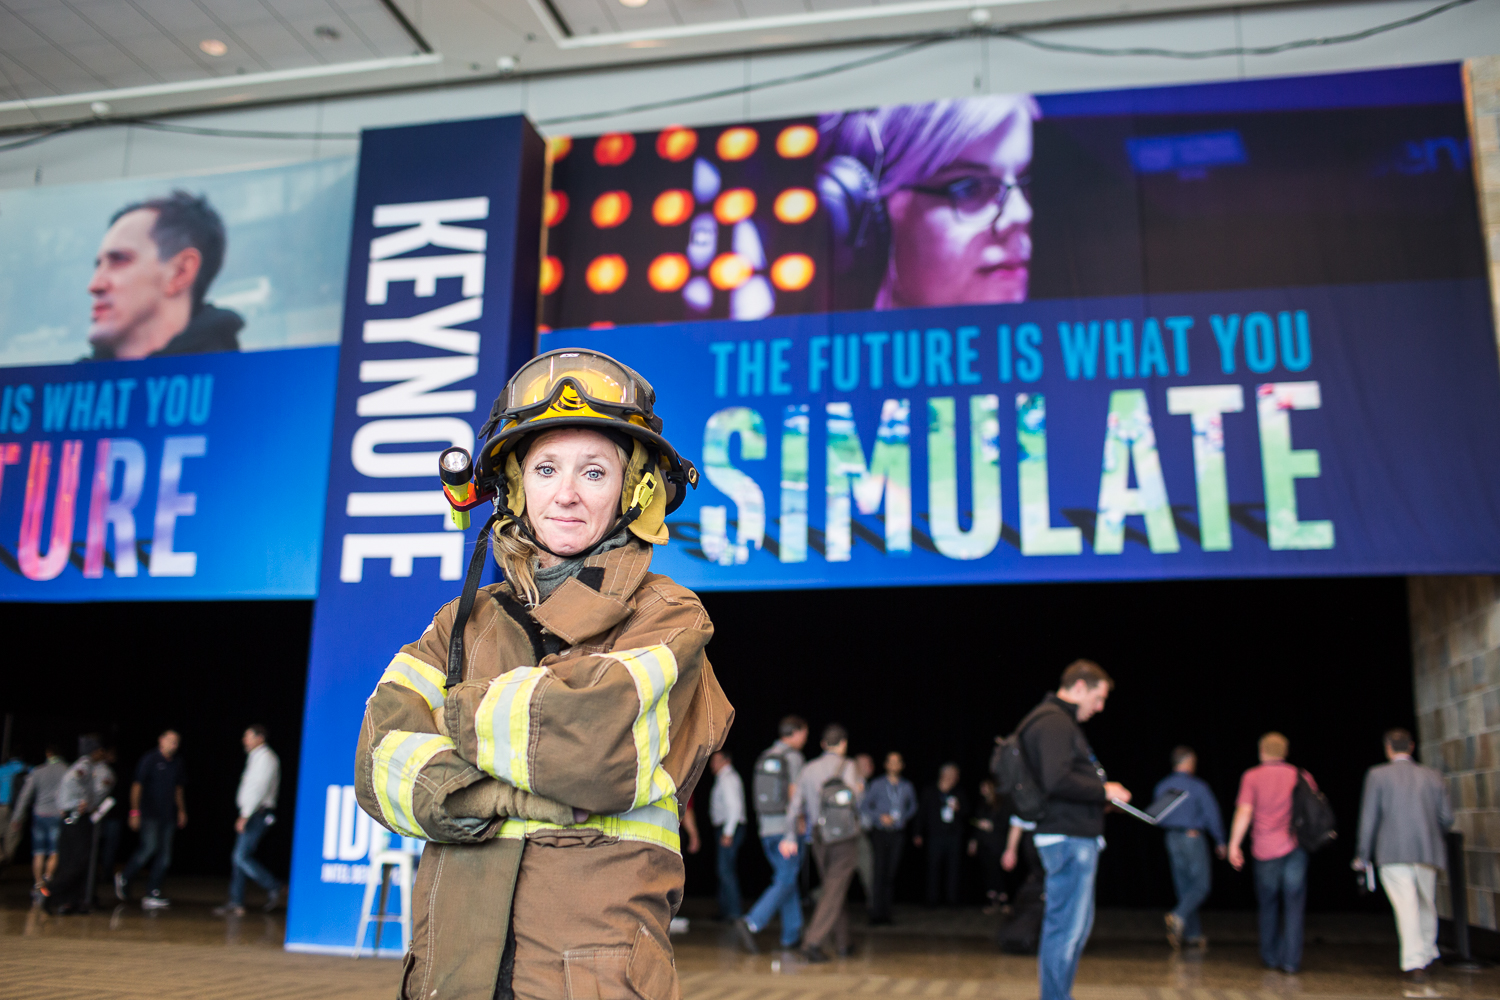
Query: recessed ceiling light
{"points": [[213, 47], [632, 3]]}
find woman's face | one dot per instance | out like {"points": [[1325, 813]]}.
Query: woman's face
{"points": [[573, 478], [942, 255]]}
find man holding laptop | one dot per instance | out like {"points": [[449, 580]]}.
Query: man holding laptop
{"points": [[1070, 834], [1188, 828]]}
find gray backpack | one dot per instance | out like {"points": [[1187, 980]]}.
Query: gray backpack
{"points": [[838, 812]]}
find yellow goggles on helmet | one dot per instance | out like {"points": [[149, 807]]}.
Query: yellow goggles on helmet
{"points": [[568, 383]]}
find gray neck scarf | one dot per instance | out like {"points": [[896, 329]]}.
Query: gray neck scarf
{"points": [[549, 578]]}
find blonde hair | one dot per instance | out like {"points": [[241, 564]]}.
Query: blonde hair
{"points": [[1275, 745], [517, 554]]}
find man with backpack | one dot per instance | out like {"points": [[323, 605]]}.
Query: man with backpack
{"points": [[1265, 809], [1053, 779], [827, 795], [776, 772], [1049, 772]]}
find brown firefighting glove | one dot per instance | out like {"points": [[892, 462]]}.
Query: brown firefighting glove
{"points": [[484, 799]]}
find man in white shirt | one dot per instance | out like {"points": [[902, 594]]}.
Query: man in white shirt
{"points": [[256, 799], [726, 810]]}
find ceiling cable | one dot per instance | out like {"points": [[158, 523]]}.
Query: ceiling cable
{"points": [[1023, 37]]}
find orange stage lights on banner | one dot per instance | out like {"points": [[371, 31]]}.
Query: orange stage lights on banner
{"points": [[555, 208], [797, 141], [672, 207], [737, 143], [734, 205], [551, 274], [669, 272], [610, 209], [676, 143], [729, 271], [558, 147], [614, 148], [795, 205], [793, 272], [606, 273]]}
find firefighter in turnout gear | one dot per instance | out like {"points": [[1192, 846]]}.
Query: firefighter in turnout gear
{"points": [[542, 733]]}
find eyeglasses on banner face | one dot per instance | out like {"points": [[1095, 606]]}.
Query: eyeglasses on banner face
{"points": [[972, 196]]}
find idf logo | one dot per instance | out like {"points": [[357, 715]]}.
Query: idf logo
{"points": [[346, 836]]}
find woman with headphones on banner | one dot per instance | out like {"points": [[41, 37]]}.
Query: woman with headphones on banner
{"points": [[542, 732], [928, 203]]}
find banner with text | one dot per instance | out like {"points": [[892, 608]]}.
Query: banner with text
{"points": [[1224, 330], [166, 400], [440, 309]]}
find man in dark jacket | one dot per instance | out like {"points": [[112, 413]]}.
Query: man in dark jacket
{"points": [[150, 277], [1070, 833], [941, 826]]}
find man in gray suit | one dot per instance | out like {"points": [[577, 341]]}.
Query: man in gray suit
{"points": [[1402, 816]]}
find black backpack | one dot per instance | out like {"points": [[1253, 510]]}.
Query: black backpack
{"points": [[1312, 817], [838, 812], [771, 786], [1014, 776]]}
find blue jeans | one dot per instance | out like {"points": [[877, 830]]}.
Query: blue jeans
{"points": [[1281, 888], [1192, 876], [729, 876], [156, 840], [44, 834], [1071, 866], [781, 895], [243, 859]]}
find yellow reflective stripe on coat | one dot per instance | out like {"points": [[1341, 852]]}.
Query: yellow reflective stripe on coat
{"points": [[426, 680], [397, 761], [655, 823], [654, 670], [502, 724]]}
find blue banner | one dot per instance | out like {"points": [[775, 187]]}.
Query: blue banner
{"points": [[1336, 430], [198, 476], [440, 309]]}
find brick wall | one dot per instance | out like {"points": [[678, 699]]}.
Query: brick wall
{"points": [[1455, 621]]}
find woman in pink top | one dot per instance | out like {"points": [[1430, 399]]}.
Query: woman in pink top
{"points": [[1264, 804]]}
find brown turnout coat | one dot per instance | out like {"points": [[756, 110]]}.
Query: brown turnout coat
{"points": [[601, 698]]}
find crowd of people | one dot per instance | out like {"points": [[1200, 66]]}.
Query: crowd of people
{"points": [[1038, 840], [76, 822]]}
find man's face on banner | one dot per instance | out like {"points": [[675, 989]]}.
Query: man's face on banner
{"points": [[132, 283], [964, 248]]}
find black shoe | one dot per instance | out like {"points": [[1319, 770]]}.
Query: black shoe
{"points": [[745, 936], [813, 955]]}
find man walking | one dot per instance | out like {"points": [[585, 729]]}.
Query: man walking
{"points": [[84, 786], [157, 812], [1070, 834], [888, 805], [1188, 828], [1263, 808], [726, 810], [256, 798], [39, 795], [776, 773], [944, 819], [828, 784], [1402, 816]]}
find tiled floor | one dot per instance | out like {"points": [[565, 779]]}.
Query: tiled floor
{"points": [[186, 953]]}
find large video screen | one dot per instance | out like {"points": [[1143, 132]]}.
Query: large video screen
{"points": [[166, 401], [1232, 329]]}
